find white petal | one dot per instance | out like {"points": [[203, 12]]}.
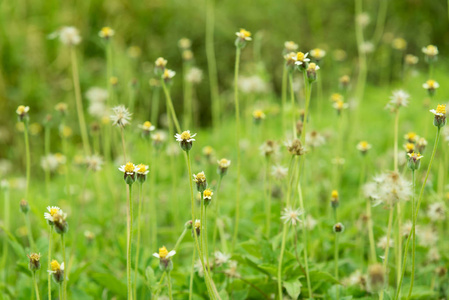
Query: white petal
{"points": [[156, 255]]}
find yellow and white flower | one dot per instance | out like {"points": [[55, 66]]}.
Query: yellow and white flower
{"points": [[430, 50], [164, 254], [147, 126], [106, 32], [244, 35], [128, 169], [290, 46], [301, 58], [185, 136], [317, 53], [52, 211]]}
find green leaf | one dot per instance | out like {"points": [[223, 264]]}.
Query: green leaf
{"points": [[322, 276], [293, 288], [271, 269], [111, 283], [151, 279]]}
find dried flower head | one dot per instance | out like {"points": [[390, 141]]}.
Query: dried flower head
{"points": [[121, 116], [291, 216], [223, 165], [398, 100], [294, 147], [68, 35], [34, 263]]}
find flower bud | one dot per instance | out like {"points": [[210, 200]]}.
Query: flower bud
{"points": [[24, 206], [335, 199], [243, 36], [188, 225], [338, 228], [414, 161], [35, 263], [207, 196], [311, 71], [60, 223], [201, 182], [223, 165]]}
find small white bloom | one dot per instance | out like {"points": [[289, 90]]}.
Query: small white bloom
{"points": [[221, 258], [52, 211], [121, 116], [290, 215], [279, 172], [68, 35], [185, 136], [96, 94], [194, 75], [382, 242]]}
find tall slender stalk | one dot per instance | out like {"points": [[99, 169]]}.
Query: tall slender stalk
{"points": [[49, 261], [170, 296], [292, 101], [36, 288], [267, 183], [206, 274], [206, 239], [170, 105], [284, 96], [237, 136], [155, 104], [47, 152], [64, 283], [6, 225], [304, 233], [136, 266], [387, 249], [415, 216], [129, 242], [79, 103], [28, 159], [187, 91], [192, 274], [404, 263], [398, 205]]}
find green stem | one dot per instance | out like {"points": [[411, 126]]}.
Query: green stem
{"points": [[206, 240], [404, 263], [192, 274], [170, 105], [129, 242], [5, 237], [136, 266], [28, 160], [292, 102], [192, 202], [49, 262], [60, 292], [64, 283], [281, 256], [267, 184], [79, 103], [237, 135], [169, 286], [387, 249], [217, 218], [153, 207], [415, 216], [187, 91], [284, 96], [181, 237], [155, 104], [380, 24], [29, 232], [47, 152], [304, 233], [36, 288], [109, 72], [336, 263]]}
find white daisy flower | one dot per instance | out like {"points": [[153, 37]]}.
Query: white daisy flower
{"points": [[221, 258], [129, 168], [52, 211], [185, 136]]}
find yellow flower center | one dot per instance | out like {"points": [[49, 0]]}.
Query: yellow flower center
{"points": [[431, 49], [106, 31], [55, 266], [185, 135], [207, 150], [113, 80], [163, 252], [244, 33], [431, 83], [53, 211], [200, 177], [300, 56], [410, 147], [161, 62], [334, 194], [207, 193], [129, 167], [312, 66], [197, 223], [166, 74], [364, 144], [147, 125], [336, 97], [441, 109], [258, 114], [339, 104], [141, 168], [411, 135], [21, 110]]}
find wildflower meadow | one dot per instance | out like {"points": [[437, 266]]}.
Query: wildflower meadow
{"points": [[222, 150]]}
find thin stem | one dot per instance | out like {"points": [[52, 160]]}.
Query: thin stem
{"points": [[206, 239], [155, 104], [60, 291], [136, 266], [267, 184], [6, 225], [192, 274], [284, 95], [49, 262], [336, 263], [192, 198], [396, 125], [415, 216], [237, 136], [29, 232], [64, 283], [170, 105], [169, 286], [47, 152], [281, 256], [28, 160], [292, 101], [387, 248], [123, 143], [404, 264], [181, 237], [217, 218], [129, 242], [36, 288], [304, 233], [79, 103]]}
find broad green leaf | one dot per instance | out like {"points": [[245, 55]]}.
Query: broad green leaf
{"points": [[293, 288]]}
